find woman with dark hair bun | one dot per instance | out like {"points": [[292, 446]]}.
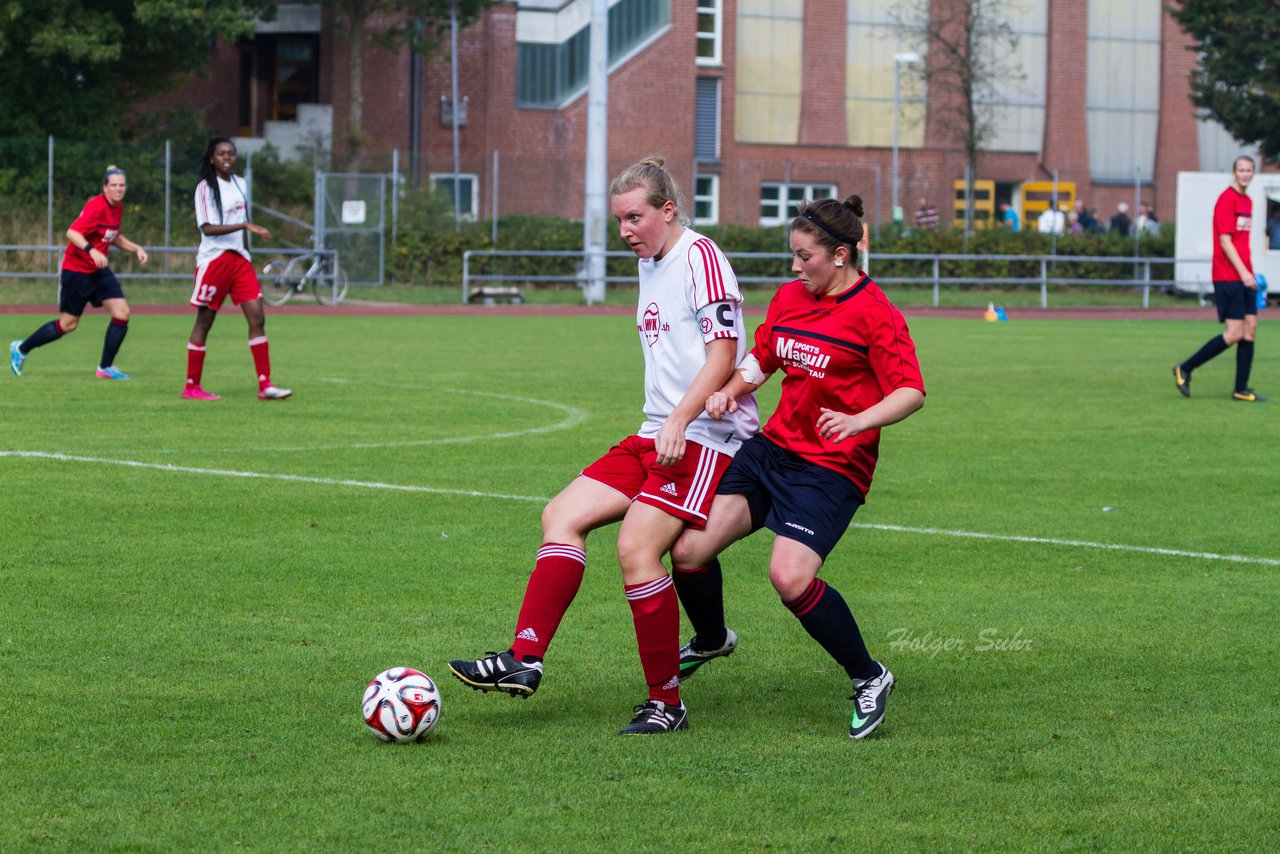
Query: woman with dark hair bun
{"points": [[849, 368]]}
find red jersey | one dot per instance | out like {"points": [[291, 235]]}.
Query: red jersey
{"points": [[99, 222], [845, 353], [1233, 214]]}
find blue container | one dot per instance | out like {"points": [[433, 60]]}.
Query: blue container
{"points": [[1262, 291]]}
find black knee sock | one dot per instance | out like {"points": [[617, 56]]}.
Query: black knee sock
{"points": [[51, 331], [701, 592], [116, 331], [1244, 363], [1212, 347], [825, 616]]}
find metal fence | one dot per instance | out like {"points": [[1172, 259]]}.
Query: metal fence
{"points": [[506, 286]]}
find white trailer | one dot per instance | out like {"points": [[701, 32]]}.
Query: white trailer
{"points": [[1197, 193]]}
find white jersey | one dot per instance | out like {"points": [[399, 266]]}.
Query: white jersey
{"points": [[235, 210], [688, 299]]}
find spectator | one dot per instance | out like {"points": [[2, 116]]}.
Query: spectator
{"points": [[1052, 221], [1147, 224], [1273, 228], [1088, 222], [1120, 223], [926, 215], [1009, 217], [1073, 223]]}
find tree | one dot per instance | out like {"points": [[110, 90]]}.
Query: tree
{"points": [[1237, 80], [970, 52], [420, 24], [74, 67]]}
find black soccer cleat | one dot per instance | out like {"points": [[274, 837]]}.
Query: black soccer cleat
{"points": [[691, 657], [1182, 379], [654, 716], [1248, 395], [870, 697], [499, 671]]}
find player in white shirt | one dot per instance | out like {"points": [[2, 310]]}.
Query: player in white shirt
{"points": [[657, 482], [224, 268]]}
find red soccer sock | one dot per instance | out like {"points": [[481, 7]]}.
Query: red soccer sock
{"points": [[195, 364], [656, 614], [261, 360], [555, 580]]}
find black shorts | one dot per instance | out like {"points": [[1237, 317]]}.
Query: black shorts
{"points": [[80, 289], [1234, 300], [791, 496]]}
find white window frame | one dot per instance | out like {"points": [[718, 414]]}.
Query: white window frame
{"points": [[716, 36], [712, 199], [782, 210], [438, 177]]}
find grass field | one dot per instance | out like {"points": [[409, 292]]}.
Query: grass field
{"points": [[194, 596]]}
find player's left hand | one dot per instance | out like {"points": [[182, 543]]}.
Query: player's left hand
{"points": [[836, 425], [669, 443], [142, 255]]}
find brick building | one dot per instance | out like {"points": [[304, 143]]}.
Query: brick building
{"points": [[754, 103]]}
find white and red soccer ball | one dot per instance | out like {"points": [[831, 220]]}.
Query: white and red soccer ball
{"points": [[401, 704]]}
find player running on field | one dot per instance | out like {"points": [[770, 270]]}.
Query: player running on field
{"points": [[87, 280], [659, 481], [224, 267], [849, 368]]}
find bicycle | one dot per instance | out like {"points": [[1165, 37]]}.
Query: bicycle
{"points": [[282, 279]]}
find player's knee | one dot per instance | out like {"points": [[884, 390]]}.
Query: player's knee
{"points": [[121, 314], [788, 581], [1232, 336], [687, 553], [68, 324]]}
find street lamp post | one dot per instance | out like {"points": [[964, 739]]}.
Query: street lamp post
{"points": [[899, 59]]}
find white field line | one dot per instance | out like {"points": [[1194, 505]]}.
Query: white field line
{"points": [[366, 484], [573, 416]]}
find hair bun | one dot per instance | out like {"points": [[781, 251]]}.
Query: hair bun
{"points": [[654, 160], [854, 203]]}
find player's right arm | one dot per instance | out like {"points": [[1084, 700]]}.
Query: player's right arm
{"points": [[1229, 250]]}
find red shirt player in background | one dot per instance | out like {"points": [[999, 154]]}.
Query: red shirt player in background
{"points": [[849, 368], [1234, 288], [87, 280]]}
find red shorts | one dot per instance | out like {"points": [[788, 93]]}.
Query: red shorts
{"points": [[229, 273], [683, 490]]}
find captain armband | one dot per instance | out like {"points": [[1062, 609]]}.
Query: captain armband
{"points": [[751, 371]]}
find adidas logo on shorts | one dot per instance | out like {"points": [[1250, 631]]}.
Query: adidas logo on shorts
{"points": [[670, 489]]}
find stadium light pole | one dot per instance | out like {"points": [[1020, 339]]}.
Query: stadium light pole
{"points": [[899, 59], [594, 202]]}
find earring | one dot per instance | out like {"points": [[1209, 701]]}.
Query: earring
{"points": [[839, 263]]}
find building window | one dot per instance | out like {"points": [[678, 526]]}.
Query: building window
{"points": [[779, 203], [707, 120], [469, 187], [874, 34], [552, 70], [706, 199], [1016, 103], [1123, 89], [769, 72], [709, 32]]}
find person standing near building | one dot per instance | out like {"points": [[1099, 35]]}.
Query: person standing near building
{"points": [[1234, 288], [87, 280], [926, 215], [657, 482], [224, 267], [1009, 217], [849, 368], [1120, 222]]}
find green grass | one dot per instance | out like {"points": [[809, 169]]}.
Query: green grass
{"points": [[183, 652]]}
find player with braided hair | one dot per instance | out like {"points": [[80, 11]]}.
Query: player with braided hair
{"points": [[224, 268]]}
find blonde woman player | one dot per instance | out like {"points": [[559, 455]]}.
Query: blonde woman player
{"points": [[659, 481]]}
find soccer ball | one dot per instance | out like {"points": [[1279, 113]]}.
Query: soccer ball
{"points": [[401, 704]]}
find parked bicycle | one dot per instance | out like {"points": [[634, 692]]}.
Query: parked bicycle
{"points": [[282, 279]]}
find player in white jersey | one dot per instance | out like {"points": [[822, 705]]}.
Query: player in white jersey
{"points": [[657, 482], [224, 268]]}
